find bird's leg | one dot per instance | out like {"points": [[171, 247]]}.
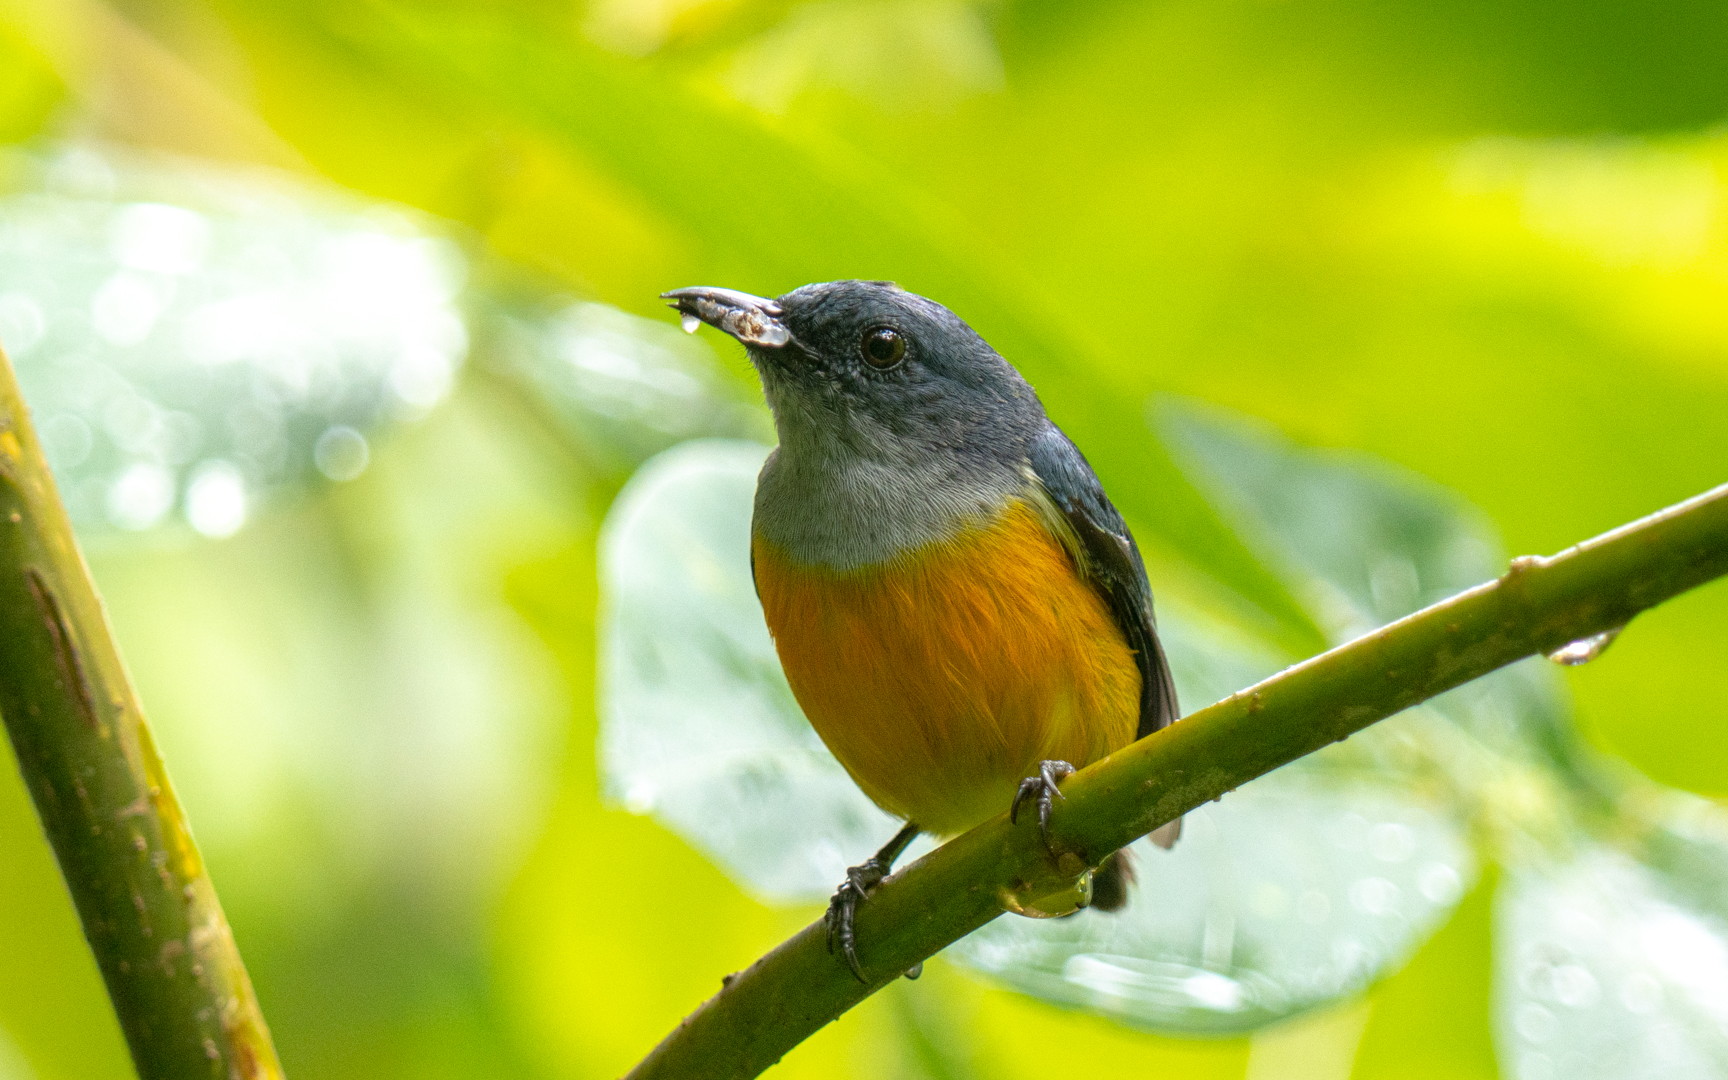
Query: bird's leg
{"points": [[860, 880], [1041, 789]]}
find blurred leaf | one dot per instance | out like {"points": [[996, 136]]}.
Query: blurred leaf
{"points": [[366, 734], [1543, 65], [28, 87], [617, 388], [1579, 922], [1363, 543], [195, 337], [1432, 1020], [1605, 967], [344, 687], [1687, 844], [902, 56], [12, 1063], [1281, 898]]}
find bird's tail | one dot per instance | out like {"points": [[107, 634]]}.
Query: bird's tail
{"points": [[1110, 882], [1166, 835]]}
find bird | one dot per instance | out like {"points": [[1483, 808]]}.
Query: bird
{"points": [[961, 612]]}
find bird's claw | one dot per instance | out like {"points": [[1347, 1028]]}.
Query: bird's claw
{"points": [[1043, 790], [860, 880]]}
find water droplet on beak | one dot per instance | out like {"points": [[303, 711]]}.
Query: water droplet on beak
{"points": [[1585, 650], [689, 322]]}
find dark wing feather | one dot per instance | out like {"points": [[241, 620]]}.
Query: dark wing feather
{"points": [[1112, 565]]}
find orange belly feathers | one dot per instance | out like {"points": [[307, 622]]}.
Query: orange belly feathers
{"points": [[942, 678]]}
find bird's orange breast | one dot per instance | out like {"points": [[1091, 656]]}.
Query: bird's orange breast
{"points": [[942, 678]]}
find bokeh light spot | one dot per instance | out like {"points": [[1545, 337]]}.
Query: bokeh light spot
{"points": [[341, 453], [22, 323], [216, 499], [165, 239], [140, 496]]}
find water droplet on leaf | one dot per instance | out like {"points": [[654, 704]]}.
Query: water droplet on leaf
{"points": [[1584, 650]]}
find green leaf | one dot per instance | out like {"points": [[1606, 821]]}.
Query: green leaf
{"points": [[1607, 967], [1281, 898], [1362, 543], [619, 388]]}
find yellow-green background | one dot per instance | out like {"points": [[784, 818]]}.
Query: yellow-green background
{"points": [[1488, 241]]}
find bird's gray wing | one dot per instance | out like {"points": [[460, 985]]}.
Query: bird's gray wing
{"points": [[1111, 563]]}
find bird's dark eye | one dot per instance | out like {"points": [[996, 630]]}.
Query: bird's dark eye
{"points": [[883, 347]]}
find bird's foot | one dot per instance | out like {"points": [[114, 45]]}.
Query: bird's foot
{"points": [[843, 908], [1043, 790], [860, 881]]}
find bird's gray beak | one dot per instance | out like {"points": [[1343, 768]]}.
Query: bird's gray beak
{"points": [[750, 319]]}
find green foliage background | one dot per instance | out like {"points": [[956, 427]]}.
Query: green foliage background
{"points": [[1487, 242]]}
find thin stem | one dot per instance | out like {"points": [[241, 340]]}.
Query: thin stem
{"points": [[149, 910], [1538, 606]]}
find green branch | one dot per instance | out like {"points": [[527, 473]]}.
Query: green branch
{"points": [[148, 908], [1537, 607]]}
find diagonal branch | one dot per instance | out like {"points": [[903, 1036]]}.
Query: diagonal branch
{"points": [[1537, 607], [149, 911]]}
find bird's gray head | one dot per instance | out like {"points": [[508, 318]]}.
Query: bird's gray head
{"points": [[898, 424], [866, 368]]}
